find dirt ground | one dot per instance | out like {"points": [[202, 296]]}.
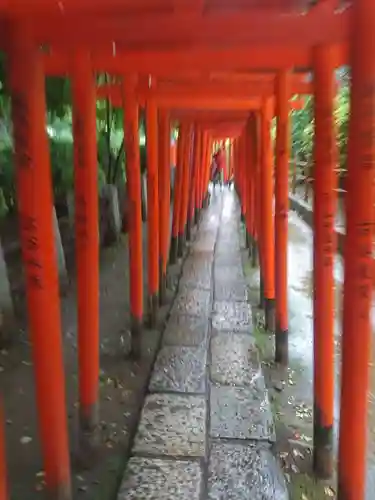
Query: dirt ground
{"points": [[122, 383]]}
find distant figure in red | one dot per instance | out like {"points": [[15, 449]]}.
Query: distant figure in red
{"points": [[218, 167]]}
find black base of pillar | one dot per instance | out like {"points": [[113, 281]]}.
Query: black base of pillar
{"points": [[261, 293], [188, 229], [136, 338], [281, 346], [254, 254], [153, 305], [323, 450], [269, 314], [248, 240], [251, 249], [196, 216], [242, 218], [173, 250], [88, 436], [181, 244], [162, 285]]}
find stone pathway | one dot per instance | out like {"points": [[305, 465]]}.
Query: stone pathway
{"points": [[206, 428]]}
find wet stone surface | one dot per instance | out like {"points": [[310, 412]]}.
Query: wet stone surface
{"points": [[172, 425], [186, 330], [235, 291], [234, 359], [228, 272], [205, 242], [160, 479], [232, 316], [200, 261], [228, 259], [179, 369], [244, 472], [169, 450], [228, 243], [241, 413], [196, 278], [192, 301]]}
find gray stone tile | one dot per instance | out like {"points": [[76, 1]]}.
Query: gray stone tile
{"points": [[195, 302], [231, 290], [229, 243], [234, 359], [172, 425], [200, 260], [243, 472], [228, 272], [160, 479], [204, 246], [179, 369], [241, 413], [230, 258], [232, 316], [196, 278], [186, 330]]}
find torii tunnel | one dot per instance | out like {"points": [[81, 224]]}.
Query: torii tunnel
{"points": [[221, 70]]}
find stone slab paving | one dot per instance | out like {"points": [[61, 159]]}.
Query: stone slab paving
{"points": [[231, 290], [154, 479], [180, 369], [206, 425], [241, 412], [232, 317], [234, 359], [172, 425], [195, 302], [244, 471], [186, 330]]}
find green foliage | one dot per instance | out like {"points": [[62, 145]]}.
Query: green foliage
{"points": [[303, 125], [7, 182], [342, 122], [61, 154], [58, 96]]}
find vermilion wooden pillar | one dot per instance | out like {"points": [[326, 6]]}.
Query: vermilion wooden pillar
{"points": [[193, 182], [35, 203], [230, 160], [251, 155], [267, 222], [153, 209], [177, 197], [206, 152], [358, 285], [281, 216], [253, 150], [198, 174], [164, 199], [208, 166], [244, 179], [197, 167], [133, 175], [257, 193], [3, 467], [186, 162], [236, 166], [201, 173], [87, 245], [324, 251], [249, 183]]}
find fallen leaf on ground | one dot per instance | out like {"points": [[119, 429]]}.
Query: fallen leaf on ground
{"points": [[25, 440]]}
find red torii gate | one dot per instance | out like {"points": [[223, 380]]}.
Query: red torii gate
{"points": [[260, 41]]}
